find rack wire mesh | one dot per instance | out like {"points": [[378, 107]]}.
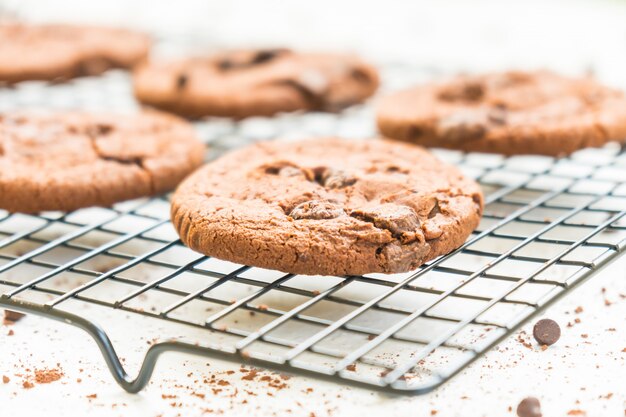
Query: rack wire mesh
{"points": [[548, 224]]}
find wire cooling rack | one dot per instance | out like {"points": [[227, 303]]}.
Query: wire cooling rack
{"points": [[548, 224]]}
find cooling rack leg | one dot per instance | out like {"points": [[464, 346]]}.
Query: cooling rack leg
{"points": [[105, 345]]}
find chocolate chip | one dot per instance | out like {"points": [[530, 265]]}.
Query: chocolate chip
{"points": [[181, 81], [497, 115], [316, 210], [397, 169], [267, 55], [462, 126], [415, 132], [98, 129], [529, 407], [333, 178], [103, 129], [124, 160], [546, 332], [225, 64], [401, 221], [465, 91], [241, 61], [360, 76], [435, 210]]}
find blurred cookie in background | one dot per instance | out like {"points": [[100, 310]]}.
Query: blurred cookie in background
{"points": [[61, 51], [69, 160], [509, 113], [246, 83]]}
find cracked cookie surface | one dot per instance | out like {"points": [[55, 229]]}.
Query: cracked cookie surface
{"points": [[61, 51], [510, 113], [69, 160], [327, 206], [255, 83]]}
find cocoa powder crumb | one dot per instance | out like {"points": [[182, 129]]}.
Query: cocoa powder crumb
{"points": [[5, 379], [578, 310], [250, 376], [27, 384], [351, 367], [92, 396], [45, 376]]}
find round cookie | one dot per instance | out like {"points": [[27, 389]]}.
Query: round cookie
{"points": [[327, 207], [58, 51], [239, 84], [68, 160], [509, 113]]}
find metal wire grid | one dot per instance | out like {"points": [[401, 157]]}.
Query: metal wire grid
{"points": [[548, 224]]}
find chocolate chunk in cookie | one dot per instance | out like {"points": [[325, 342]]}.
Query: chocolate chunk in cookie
{"points": [[401, 221], [334, 178], [296, 207], [316, 210], [256, 82], [509, 113]]}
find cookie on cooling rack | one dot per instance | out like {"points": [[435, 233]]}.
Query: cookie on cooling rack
{"points": [[68, 160], [59, 51], [367, 206], [246, 83], [510, 113]]}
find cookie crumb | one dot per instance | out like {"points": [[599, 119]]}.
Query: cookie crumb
{"points": [[45, 376]]}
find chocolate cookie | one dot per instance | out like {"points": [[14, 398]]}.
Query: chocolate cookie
{"points": [[255, 83], [65, 161], [53, 52], [327, 206], [509, 113]]}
